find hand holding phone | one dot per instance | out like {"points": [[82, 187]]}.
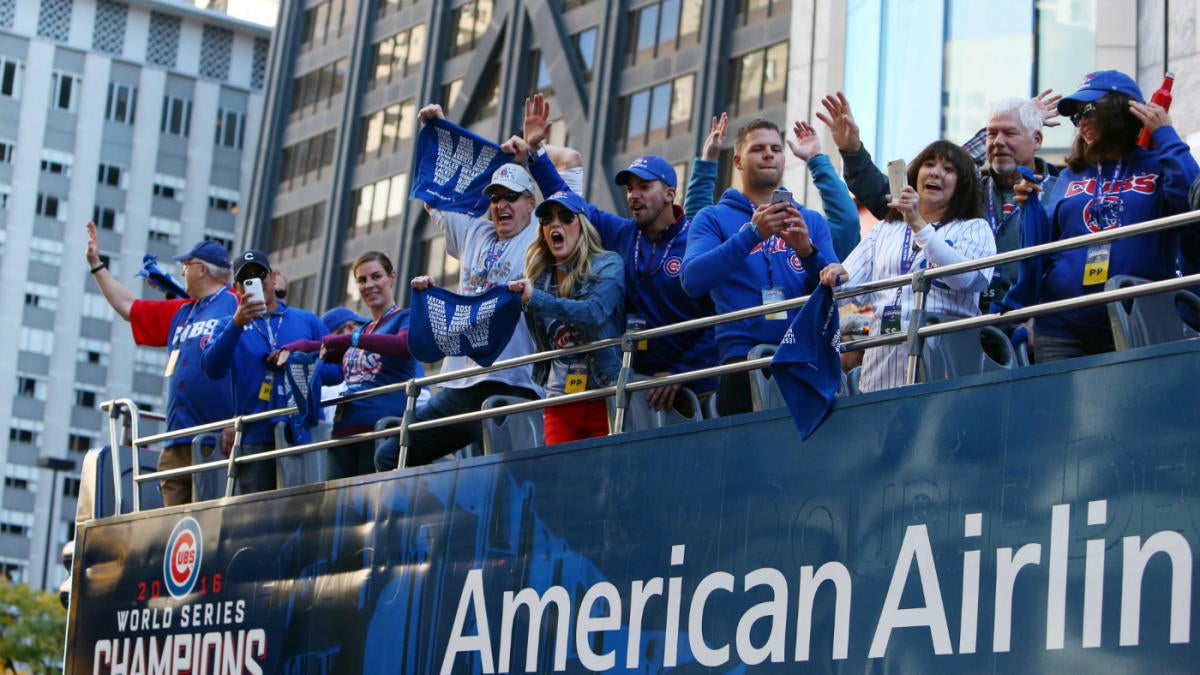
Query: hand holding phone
{"points": [[253, 289], [781, 195], [897, 177]]}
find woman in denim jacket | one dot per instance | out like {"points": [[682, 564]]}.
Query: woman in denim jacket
{"points": [[573, 294]]}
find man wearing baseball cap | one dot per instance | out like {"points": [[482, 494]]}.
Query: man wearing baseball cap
{"points": [[183, 326], [652, 244], [246, 348], [492, 253]]}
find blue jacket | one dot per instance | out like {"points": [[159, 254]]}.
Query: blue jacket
{"points": [[242, 352], [594, 308], [727, 259], [1152, 184], [654, 292]]}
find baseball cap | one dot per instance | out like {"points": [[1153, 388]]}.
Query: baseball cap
{"points": [[1097, 84], [338, 316], [649, 167], [569, 199], [209, 251], [513, 177], [251, 257]]}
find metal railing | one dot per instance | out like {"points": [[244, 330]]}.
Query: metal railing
{"points": [[918, 331]]}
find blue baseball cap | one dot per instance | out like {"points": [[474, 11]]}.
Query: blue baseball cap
{"points": [[1096, 85], [572, 201], [650, 167], [338, 316], [209, 251]]}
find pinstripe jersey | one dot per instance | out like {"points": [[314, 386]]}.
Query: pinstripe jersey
{"points": [[881, 254]]}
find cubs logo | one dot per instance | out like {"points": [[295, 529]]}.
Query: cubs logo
{"points": [[672, 266], [563, 335], [181, 560], [794, 261], [1103, 213], [204, 341]]}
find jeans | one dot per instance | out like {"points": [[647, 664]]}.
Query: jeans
{"points": [[355, 459], [255, 476], [176, 490], [427, 445], [1047, 348]]}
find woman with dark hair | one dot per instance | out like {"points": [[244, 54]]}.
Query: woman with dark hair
{"points": [[372, 355], [1109, 182], [573, 293], [935, 220]]}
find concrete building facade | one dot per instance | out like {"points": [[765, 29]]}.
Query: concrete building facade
{"points": [[141, 116]]}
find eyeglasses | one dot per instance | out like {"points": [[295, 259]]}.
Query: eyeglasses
{"points": [[561, 215], [1087, 111], [509, 197]]}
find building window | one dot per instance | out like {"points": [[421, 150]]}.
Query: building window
{"points": [[222, 204], [176, 116], [48, 205], [384, 129], [231, 128], [86, 398], [396, 57], [110, 174], [585, 50], [64, 91], [162, 229], [25, 431], [89, 350], [759, 80], [6, 151], [310, 155], [539, 75], [319, 87], [10, 77], [79, 442], [43, 296], [297, 228], [70, 487], [442, 266], [663, 27], [380, 204], [469, 23], [31, 387], [104, 217], [122, 101], [756, 11], [169, 187], [656, 114], [322, 22], [56, 168]]}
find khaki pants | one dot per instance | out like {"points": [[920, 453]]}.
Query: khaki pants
{"points": [[176, 490]]}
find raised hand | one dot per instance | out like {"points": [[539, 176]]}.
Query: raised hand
{"points": [[807, 144], [517, 147], [429, 112], [537, 121], [716, 138], [422, 282], [1047, 103], [1152, 115], [841, 122]]}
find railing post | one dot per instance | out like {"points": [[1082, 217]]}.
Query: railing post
{"points": [[621, 400], [114, 445], [411, 391], [239, 428], [916, 319]]}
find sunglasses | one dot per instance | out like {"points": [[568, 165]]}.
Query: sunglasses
{"points": [[562, 216], [509, 197], [252, 274], [1087, 111]]}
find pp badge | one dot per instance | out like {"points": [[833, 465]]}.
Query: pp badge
{"points": [[576, 377], [635, 323], [264, 392], [1095, 270], [172, 360]]}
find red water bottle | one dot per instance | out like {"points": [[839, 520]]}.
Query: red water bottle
{"points": [[1163, 98]]}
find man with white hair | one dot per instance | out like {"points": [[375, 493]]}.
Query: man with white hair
{"points": [[1011, 140]]}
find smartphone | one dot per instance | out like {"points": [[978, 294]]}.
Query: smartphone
{"points": [[781, 195], [897, 177], [254, 289]]}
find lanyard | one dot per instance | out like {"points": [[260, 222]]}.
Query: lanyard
{"points": [[269, 335], [370, 328], [1099, 199], [201, 304], [637, 254]]}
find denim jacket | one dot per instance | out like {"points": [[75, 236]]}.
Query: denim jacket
{"points": [[596, 308]]}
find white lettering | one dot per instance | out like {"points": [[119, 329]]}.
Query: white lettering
{"points": [[839, 576], [933, 615], [1136, 556], [1056, 579], [537, 604], [471, 598], [706, 656], [459, 159], [1093, 577], [774, 610], [1007, 567], [588, 624]]}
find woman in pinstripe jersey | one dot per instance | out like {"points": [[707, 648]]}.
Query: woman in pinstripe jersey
{"points": [[935, 220]]}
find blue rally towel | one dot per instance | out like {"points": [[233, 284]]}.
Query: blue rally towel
{"points": [[806, 366], [449, 324], [454, 166], [304, 379], [160, 279]]}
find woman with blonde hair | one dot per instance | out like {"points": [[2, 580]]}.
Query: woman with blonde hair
{"points": [[573, 294]]}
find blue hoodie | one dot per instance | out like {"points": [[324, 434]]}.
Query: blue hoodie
{"points": [[727, 259], [1152, 184], [242, 352]]}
